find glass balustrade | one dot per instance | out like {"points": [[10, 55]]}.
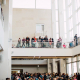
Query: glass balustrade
{"points": [[32, 44]]}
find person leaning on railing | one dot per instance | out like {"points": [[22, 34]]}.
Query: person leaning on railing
{"points": [[23, 42], [19, 43], [50, 42], [46, 40], [32, 40], [60, 42], [39, 41], [42, 42]]}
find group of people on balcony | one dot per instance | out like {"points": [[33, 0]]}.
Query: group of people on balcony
{"points": [[42, 42], [45, 42]]}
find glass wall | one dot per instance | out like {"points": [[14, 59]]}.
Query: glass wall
{"points": [[73, 65], [38, 4]]}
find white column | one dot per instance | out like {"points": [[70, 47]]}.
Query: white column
{"points": [[54, 21], [62, 66], [74, 17], [54, 65], [61, 20], [67, 20], [5, 65], [48, 66]]}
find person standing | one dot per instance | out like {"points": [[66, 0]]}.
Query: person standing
{"points": [[23, 42], [76, 39], [27, 41], [19, 42], [46, 40]]}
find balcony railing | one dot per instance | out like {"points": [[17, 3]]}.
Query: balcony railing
{"points": [[16, 44]]}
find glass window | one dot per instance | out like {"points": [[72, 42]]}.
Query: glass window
{"points": [[57, 28], [78, 63], [76, 17], [70, 10], [71, 34], [43, 4], [69, 69], [77, 4], [64, 4], [64, 15], [74, 68], [64, 27], [57, 36], [70, 23], [56, 15], [56, 4], [69, 1], [78, 30], [23, 3], [65, 36], [79, 15]]}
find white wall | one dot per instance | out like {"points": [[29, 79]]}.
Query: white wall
{"points": [[29, 62], [32, 69], [76, 50], [41, 52], [25, 20]]}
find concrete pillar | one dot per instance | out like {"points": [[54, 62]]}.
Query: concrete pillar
{"points": [[54, 65], [5, 65], [48, 66], [74, 18], [61, 20], [62, 66], [54, 21]]}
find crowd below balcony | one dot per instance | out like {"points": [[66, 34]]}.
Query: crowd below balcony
{"points": [[44, 76], [44, 42]]}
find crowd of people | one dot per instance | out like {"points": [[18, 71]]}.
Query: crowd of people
{"points": [[44, 76], [45, 42]]}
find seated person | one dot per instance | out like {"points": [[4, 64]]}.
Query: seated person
{"points": [[64, 45], [71, 44]]}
